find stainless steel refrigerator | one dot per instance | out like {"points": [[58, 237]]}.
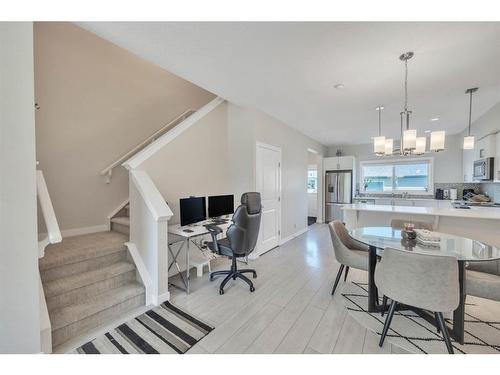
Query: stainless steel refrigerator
{"points": [[338, 191]]}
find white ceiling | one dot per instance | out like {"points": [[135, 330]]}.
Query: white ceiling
{"points": [[288, 70]]}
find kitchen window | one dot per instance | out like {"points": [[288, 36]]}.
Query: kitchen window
{"points": [[397, 176]]}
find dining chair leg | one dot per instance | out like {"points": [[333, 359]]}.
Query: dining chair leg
{"points": [[438, 326], [387, 323], [345, 273], [446, 336], [384, 304], [338, 278]]}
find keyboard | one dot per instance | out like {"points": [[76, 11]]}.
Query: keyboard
{"points": [[218, 222]]}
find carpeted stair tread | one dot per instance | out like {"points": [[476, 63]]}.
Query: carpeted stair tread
{"points": [[70, 314], [122, 220], [69, 283], [80, 248]]}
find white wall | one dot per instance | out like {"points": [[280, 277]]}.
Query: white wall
{"points": [[19, 293], [447, 164], [248, 126], [487, 123], [217, 156]]}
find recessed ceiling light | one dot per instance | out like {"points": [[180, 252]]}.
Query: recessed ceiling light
{"points": [[427, 131], [339, 86], [435, 119]]}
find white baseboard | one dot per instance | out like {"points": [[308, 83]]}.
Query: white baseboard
{"points": [[84, 230], [163, 297], [296, 234]]}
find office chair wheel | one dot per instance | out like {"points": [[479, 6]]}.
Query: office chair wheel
{"points": [[221, 292], [255, 275], [252, 289]]}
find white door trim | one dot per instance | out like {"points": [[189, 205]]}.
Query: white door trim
{"points": [[277, 149]]}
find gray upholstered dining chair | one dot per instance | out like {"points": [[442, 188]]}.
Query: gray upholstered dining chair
{"points": [[399, 224], [348, 252], [482, 279], [429, 282]]}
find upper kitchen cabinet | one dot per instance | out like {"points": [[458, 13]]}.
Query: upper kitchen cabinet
{"points": [[486, 147], [339, 163]]}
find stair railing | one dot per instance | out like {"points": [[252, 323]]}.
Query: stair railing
{"points": [[108, 171], [49, 216], [148, 245]]}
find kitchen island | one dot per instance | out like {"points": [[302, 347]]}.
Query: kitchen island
{"points": [[480, 223]]}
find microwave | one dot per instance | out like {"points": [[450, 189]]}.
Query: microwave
{"points": [[483, 169]]}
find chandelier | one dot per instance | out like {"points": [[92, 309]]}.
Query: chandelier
{"points": [[410, 144]]}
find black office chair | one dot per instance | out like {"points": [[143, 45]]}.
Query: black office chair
{"points": [[241, 238]]}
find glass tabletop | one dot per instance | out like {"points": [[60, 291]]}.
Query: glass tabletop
{"points": [[461, 248]]}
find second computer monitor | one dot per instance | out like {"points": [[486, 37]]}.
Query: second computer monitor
{"points": [[219, 205]]}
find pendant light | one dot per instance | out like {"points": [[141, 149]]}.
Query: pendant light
{"points": [[389, 146], [420, 144], [469, 139], [437, 141], [379, 142], [408, 136]]}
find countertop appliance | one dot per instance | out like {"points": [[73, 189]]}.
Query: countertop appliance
{"points": [[338, 191], [483, 169], [439, 194], [453, 194]]}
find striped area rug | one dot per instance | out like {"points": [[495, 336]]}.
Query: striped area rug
{"points": [[162, 330]]}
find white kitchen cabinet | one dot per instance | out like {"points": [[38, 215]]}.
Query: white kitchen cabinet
{"points": [[496, 171], [486, 147], [339, 163]]}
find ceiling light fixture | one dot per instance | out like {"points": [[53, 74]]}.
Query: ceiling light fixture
{"points": [[339, 86], [469, 139], [410, 144], [379, 141]]}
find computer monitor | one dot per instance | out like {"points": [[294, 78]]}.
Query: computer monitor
{"points": [[219, 205], [192, 209]]}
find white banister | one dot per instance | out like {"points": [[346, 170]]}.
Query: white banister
{"points": [[49, 216], [149, 215], [108, 171]]}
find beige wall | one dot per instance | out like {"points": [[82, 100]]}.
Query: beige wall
{"points": [[96, 101], [194, 163], [217, 156]]}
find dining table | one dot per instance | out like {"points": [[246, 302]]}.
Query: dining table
{"points": [[465, 250]]}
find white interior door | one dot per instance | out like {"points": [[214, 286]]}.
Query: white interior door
{"points": [[268, 183]]}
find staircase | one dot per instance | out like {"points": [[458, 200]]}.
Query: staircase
{"points": [[121, 221], [89, 281]]}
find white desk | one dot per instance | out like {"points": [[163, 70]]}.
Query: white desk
{"points": [[186, 234]]}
